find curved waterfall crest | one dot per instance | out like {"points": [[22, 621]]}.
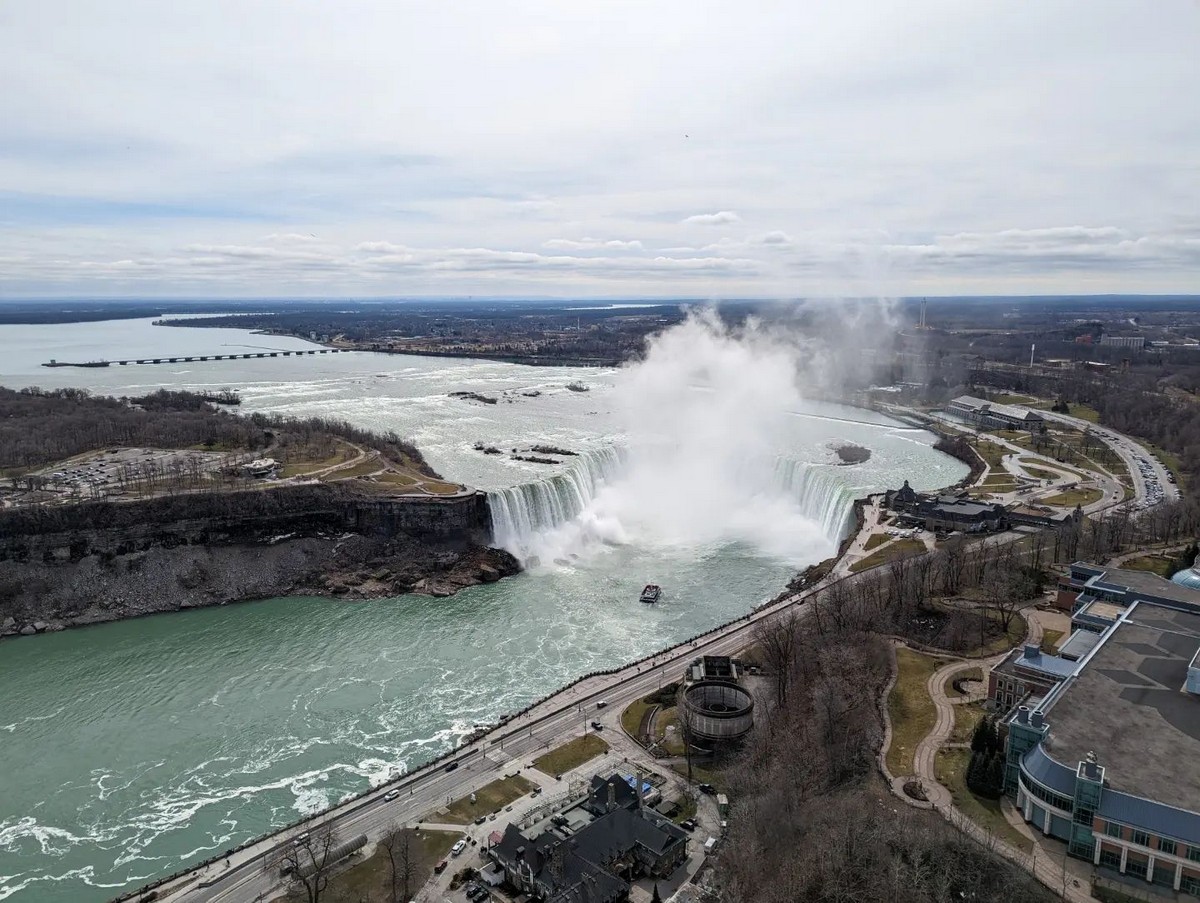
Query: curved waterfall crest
{"points": [[522, 515], [521, 512]]}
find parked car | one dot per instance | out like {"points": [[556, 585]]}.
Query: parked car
{"points": [[441, 866], [688, 825], [707, 788], [597, 726], [457, 849]]}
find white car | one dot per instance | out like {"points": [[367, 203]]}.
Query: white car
{"points": [[391, 795], [457, 849]]}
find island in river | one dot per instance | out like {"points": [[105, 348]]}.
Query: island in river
{"points": [[114, 508]]}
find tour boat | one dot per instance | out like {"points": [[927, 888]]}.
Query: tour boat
{"points": [[651, 592]]}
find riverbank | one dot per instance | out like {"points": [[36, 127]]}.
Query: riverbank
{"points": [[98, 563]]}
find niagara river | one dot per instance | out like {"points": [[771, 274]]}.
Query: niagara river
{"points": [[133, 749]]}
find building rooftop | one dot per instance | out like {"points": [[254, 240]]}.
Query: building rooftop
{"points": [[1031, 657], [1142, 584], [1129, 706]]}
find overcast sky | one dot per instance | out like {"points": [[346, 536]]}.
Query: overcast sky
{"points": [[598, 148]]}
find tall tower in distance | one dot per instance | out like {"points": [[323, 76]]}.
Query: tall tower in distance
{"points": [[924, 304]]}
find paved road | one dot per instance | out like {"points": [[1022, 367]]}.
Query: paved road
{"points": [[1132, 453], [549, 724], [514, 745]]}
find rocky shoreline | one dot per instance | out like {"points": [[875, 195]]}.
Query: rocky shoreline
{"points": [[39, 597]]}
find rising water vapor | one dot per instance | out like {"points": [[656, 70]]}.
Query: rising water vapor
{"points": [[705, 458]]}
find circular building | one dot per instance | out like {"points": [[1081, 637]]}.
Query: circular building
{"points": [[718, 711], [1188, 577]]}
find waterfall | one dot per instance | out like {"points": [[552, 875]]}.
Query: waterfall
{"points": [[524, 516], [521, 513], [821, 493]]}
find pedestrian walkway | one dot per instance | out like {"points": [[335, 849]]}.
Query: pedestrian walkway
{"points": [[1055, 873]]}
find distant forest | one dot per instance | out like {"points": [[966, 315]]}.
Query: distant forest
{"points": [[40, 427]]}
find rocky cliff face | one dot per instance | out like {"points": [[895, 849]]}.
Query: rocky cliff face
{"points": [[114, 564]]}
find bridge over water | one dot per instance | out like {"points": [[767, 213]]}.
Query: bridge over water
{"points": [[187, 359]]}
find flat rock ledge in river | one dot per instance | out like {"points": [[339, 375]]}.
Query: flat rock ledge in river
{"points": [[44, 596]]}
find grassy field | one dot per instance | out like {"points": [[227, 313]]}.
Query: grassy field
{"points": [[965, 718], [293, 468], [370, 880], [488, 799], [875, 540], [1050, 640], [1007, 640], [1084, 412], [570, 755], [673, 742], [631, 718], [1073, 497], [1155, 564], [910, 709], [991, 452], [969, 674], [952, 774], [897, 549], [361, 469]]}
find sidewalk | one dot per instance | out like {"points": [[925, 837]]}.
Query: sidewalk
{"points": [[1048, 864]]}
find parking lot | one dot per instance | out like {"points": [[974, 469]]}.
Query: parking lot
{"points": [[124, 471]]}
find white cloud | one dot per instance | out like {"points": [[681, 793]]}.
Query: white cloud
{"points": [[502, 148], [586, 244], [724, 218]]}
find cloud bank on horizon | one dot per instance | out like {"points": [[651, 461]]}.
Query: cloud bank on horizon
{"points": [[534, 147]]}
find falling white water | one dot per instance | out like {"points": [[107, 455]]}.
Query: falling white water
{"points": [[705, 460], [558, 518]]}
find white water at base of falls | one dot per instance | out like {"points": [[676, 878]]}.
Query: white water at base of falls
{"points": [[557, 518]]}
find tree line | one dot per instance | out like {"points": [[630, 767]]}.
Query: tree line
{"points": [[809, 820], [40, 427]]}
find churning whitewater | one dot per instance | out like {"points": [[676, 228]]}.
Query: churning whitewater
{"points": [[712, 453], [135, 748]]}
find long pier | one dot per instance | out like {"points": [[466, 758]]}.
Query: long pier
{"points": [[253, 355]]}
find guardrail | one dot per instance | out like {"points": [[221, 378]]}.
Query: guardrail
{"points": [[365, 797]]}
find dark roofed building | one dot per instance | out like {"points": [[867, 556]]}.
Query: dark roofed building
{"points": [[598, 862]]}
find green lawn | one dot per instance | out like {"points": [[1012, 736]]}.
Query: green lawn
{"points": [[570, 755], [1155, 564], [1050, 640], [1073, 497], [673, 742], [969, 674], [952, 774], [898, 549], [370, 880], [488, 799], [966, 716], [1009, 639], [631, 718], [874, 540], [910, 709]]}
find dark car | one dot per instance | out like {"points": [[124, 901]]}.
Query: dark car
{"points": [[688, 825], [707, 788], [451, 766], [597, 726]]}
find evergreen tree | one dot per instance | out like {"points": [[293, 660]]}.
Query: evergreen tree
{"points": [[996, 775], [973, 770], [979, 739]]}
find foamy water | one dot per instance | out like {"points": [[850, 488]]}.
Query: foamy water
{"points": [[132, 749]]}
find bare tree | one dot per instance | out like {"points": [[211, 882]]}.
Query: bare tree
{"points": [[306, 862], [397, 843], [777, 639]]}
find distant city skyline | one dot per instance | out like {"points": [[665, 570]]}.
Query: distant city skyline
{"points": [[609, 150]]}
